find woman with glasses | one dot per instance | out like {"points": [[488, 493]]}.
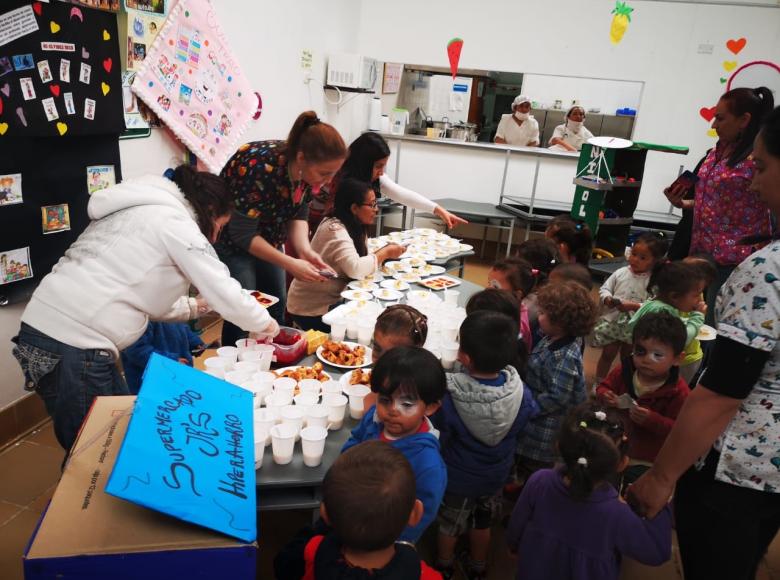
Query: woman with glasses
{"points": [[341, 241]]}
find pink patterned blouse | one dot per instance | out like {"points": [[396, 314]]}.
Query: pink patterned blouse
{"points": [[725, 209]]}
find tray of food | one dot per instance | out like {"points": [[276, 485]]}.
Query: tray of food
{"points": [[265, 300], [439, 282], [315, 371], [344, 355], [356, 377]]}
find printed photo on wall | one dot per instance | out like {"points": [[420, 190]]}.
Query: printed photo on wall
{"points": [[156, 6], [55, 218], [100, 177], [15, 265], [11, 189]]}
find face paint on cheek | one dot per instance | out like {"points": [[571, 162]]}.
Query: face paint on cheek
{"points": [[493, 283], [405, 406], [656, 356]]}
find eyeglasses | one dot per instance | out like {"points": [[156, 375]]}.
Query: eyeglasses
{"points": [[372, 205]]}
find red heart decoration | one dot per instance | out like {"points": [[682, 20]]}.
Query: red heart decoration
{"points": [[55, 90], [37, 8], [1, 106], [707, 114], [736, 46], [107, 64]]}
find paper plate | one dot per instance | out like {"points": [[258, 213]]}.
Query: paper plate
{"points": [[367, 361], [423, 295], [388, 294], [430, 270], [706, 332], [344, 380], [368, 286], [610, 142], [356, 295], [407, 277], [399, 285]]}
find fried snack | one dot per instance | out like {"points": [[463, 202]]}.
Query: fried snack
{"points": [[299, 373], [342, 354], [360, 377]]}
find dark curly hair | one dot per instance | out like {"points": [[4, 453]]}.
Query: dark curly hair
{"points": [[569, 306]]}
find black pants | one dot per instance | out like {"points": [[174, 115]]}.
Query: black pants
{"points": [[723, 530]]}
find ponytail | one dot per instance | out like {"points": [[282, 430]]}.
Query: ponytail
{"points": [[318, 141], [758, 103], [578, 238], [206, 193]]}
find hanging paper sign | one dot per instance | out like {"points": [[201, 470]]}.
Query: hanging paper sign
{"points": [[58, 46], [189, 450], [454, 47], [193, 82]]}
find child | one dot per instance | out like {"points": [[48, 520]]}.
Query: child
{"points": [[504, 302], [399, 325], [622, 295], [174, 340], [368, 497], [555, 372], [481, 417], [410, 384], [517, 276], [678, 287], [570, 523], [652, 380], [574, 240], [574, 272], [694, 355], [543, 255]]}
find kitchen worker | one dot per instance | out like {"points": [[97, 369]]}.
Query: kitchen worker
{"points": [[519, 128], [572, 133]]}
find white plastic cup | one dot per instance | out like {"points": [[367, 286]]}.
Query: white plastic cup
{"points": [[449, 353], [451, 297], [316, 416], [245, 343], [260, 390], [331, 388], [285, 385], [338, 329], [217, 366], [228, 352], [310, 386], [293, 416], [264, 377], [449, 331], [249, 355], [264, 419], [337, 407], [259, 451], [276, 401], [313, 445], [237, 377], [357, 393], [249, 367], [218, 373], [282, 443], [352, 328], [266, 351], [365, 331], [306, 400]]}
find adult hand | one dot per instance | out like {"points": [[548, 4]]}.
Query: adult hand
{"points": [[675, 194], [639, 415], [316, 260], [609, 398], [390, 252], [650, 493], [270, 331], [305, 271], [450, 219], [203, 306]]}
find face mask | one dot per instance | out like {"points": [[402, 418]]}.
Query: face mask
{"points": [[574, 125], [521, 116]]}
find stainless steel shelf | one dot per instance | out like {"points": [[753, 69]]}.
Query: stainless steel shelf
{"points": [[605, 185]]}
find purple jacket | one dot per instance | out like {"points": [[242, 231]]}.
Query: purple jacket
{"points": [[557, 537]]}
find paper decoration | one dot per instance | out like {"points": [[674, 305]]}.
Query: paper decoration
{"points": [[153, 6], [736, 46], [454, 47], [194, 83], [15, 265], [391, 80], [729, 65], [100, 177], [189, 450], [11, 189], [16, 24], [707, 113], [620, 21], [55, 218], [107, 5], [140, 29]]}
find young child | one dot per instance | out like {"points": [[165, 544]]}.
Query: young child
{"points": [[574, 272], [368, 497], [543, 255], [570, 523], [399, 325], [481, 417], [574, 240], [651, 378], [694, 355], [623, 294], [555, 372], [677, 288], [410, 384], [504, 302], [174, 340], [517, 276]]}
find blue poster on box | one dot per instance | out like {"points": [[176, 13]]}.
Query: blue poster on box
{"points": [[189, 450]]}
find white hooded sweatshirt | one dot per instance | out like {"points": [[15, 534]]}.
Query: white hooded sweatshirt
{"points": [[134, 262]]}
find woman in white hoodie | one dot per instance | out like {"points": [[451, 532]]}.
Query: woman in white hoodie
{"points": [[150, 238]]}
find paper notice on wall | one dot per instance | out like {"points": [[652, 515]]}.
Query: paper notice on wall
{"points": [[17, 23]]}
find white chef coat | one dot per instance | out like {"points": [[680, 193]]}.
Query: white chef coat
{"points": [[570, 137], [523, 135]]}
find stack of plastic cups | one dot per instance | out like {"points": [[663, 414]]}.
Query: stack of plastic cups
{"points": [[285, 385], [310, 386], [237, 377], [229, 353], [245, 344], [275, 401], [352, 328], [331, 388], [316, 416], [249, 367], [260, 390], [306, 400], [365, 331], [292, 415], [449, 330], [338, 329], [266, 355], [451, 297]]}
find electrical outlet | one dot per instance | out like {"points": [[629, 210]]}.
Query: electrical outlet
{"points": [[706, 48]]}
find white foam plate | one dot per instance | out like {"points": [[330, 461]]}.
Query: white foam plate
{"points": [[399, 285], [280, 371], [706, 332], [423, 295], [366, 285], [430, 270], [407, 277], [388, 294], [356, 295], [344, 380], [366, 357]]}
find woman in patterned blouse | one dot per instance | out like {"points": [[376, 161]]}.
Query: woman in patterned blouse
{"points": [[728, 507], [272, 183], [725, 209]]}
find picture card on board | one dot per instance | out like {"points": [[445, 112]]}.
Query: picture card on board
{"points": [[15, 265], [55, 218], [11, 189], [100, 177]]}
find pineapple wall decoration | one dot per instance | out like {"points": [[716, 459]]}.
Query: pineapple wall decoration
{"points": [[620, 21]]}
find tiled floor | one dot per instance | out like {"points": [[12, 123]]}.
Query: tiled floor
{"points": [[30, 470]]}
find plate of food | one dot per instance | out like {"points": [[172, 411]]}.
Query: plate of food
{"points": [[465, 248], [391, 268], [424, 232], [423, 295], [430, 270], [440, 282], [440, 253], [367, 285], [315, 371], [389, 293], [414, 261], [265, 300], [356, 295], [399, 285], [356, 377], [409, 277], [344, 355], [706, 332]]}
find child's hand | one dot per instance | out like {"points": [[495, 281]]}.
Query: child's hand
{"points": [[701, 307], [639, 415], [629, 306], [609, 398]]}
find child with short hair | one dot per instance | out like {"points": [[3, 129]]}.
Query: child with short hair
{"points": [[409, 383], [651, 378], [570, 522], [398, 325], [574, 272], [482, 415], [543, 255], [623, 294], [368, 498], [504, 302], [574, 240], [677, 288], [555, 371], [518, 277]]}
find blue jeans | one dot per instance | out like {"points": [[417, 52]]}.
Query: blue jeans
{"points": [[66, 378], [253, 274]]}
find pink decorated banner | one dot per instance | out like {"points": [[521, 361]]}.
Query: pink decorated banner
{"points": [[194, 83]]}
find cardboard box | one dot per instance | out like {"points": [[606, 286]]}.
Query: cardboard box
{"points": [[86, 533]]}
